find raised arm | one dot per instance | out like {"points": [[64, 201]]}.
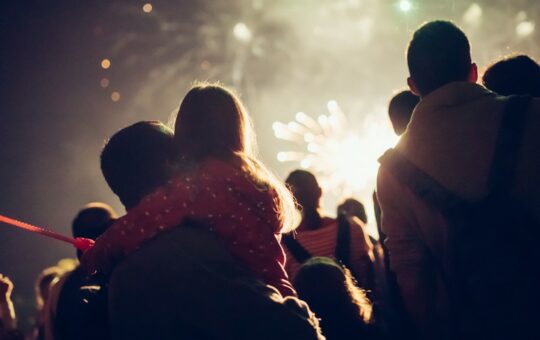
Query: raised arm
{"points": [[7, 310]]}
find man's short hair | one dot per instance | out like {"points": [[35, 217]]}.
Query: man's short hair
{"points": [[400, 110], [439, 53], [135, 160], [93, 220], [519, 75]]}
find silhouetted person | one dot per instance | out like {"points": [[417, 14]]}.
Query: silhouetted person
{"points": [[352, 207], [137, 159], [42, 288], [431, 189], [400, 110], [73, 311], [220, 183], [317, 235], [330, 290], [515, 75], [184, 283]]}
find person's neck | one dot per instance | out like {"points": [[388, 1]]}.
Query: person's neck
{"points": [[311, 220]]}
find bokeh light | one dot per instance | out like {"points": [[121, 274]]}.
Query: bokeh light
{"points": [[147, 8], [105, 63], [405, 5], [525, 28], [115, 96], [473, 15], [104, 83], [205, 65], [242, 32]]}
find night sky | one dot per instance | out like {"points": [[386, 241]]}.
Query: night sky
{"points": [[51, 130]]}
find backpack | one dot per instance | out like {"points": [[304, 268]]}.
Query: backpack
{"points": [[493, 275]]}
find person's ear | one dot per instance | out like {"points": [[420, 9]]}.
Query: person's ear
{"points": [[412, 86], [319, 192], [473, 73]]}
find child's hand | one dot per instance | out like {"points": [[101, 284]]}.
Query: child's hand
{"points": [[83, 244]]}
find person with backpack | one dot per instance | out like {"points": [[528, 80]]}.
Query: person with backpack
{"points": [[342, 239], [460, 199]]}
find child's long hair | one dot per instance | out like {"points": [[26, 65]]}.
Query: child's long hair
{"points": [[212, 122]]}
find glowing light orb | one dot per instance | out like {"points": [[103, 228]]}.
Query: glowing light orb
{"points": [[242, 33], [115, 96], [205, 65], [104, 83], [473, 15], [405, 5], [147, 8], [105, 63], [525, 28]]}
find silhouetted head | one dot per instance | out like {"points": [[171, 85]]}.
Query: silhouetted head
{"points": [[400, 110], [213, 122], [43, 285], [438, 54], [305, 189], [330, 291], [515, 75], [351, 207], [135, 161], [92, 221]]}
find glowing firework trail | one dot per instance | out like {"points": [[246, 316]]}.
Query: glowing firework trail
{"points": [[79, 242]]}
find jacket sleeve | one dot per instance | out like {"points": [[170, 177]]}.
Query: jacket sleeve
{"points": [[409, 256], [198, 197]]}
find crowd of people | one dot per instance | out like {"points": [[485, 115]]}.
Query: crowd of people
{"points": [[209, 247]]}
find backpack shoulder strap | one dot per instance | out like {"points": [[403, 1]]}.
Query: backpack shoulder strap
{"points": [[298, 251], [423, 185], [343, 241], [507, 147]]}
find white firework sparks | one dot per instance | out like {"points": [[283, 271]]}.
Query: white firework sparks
{"points": [[343, 158]]}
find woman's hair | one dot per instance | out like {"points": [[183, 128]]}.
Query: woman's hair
{"points": [[330, 290], [212, 122]]}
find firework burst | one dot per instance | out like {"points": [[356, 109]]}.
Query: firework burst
{"points": [[344, 159]]}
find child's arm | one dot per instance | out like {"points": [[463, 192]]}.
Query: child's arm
{"points": [[209, 194]]}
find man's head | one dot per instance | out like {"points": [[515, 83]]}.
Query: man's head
{"points": [[400, 110], [439, 53], [92, 221], [135, 161], [305, 189], [516, 75], [353, 208]]}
